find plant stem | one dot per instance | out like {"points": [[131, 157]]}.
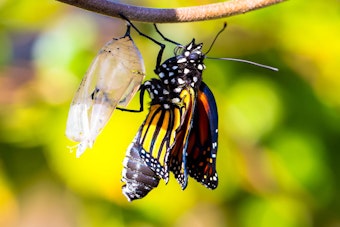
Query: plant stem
{"points": [[168, 15]]}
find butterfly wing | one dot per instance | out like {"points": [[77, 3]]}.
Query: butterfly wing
{"points": [[156, 135], [147, 157], [177, 161], [202, 145]]}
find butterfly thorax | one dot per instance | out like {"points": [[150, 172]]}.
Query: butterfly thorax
{"points": [[182, 72]]}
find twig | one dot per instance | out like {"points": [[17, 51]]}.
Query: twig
{"points": [[185, 14]]}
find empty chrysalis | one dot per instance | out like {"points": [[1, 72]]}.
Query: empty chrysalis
{"points": [[112, 79]]}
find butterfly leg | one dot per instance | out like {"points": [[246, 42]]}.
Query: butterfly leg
{"points": [[141, 102], [165, 38]]}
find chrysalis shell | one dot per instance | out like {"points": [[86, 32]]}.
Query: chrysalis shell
{"points": [[112, 79]]}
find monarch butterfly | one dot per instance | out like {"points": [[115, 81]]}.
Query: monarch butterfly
{"points": [[180, 131], [113, 78]]}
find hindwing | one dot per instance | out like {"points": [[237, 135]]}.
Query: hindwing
{"points": [[202, 145], [195, 148]]}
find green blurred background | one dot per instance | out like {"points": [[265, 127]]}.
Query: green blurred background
{"points": [[279, 132]]}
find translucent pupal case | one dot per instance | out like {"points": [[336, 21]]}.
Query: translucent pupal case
{"points": [[112, 79]]}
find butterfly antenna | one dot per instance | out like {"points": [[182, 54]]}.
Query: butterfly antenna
{"points": [[246, 61], [217, 35]]}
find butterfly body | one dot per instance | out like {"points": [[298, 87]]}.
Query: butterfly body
{"points": [[183, 70], [138, 177], [166, 140]]}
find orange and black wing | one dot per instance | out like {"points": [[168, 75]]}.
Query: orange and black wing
{"points": [[202, 145], [156, 135], [146, 158]]}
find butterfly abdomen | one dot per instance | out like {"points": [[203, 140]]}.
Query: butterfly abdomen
{"points": [[139, 179]]}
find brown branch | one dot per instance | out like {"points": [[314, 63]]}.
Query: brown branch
{"points": [[185, 14]]}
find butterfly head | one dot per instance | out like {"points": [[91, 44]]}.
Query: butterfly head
{"points": [[191, 56], [184, 69]]}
